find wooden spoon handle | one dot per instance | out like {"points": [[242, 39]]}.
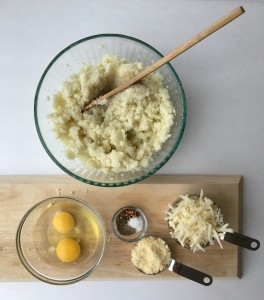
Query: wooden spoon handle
{"points": [[185, 46]]}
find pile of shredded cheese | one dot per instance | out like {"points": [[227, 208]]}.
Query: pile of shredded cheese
{"points": [[195, 222]]}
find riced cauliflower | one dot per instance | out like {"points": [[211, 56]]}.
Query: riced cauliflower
{"points": [[124, 132]]}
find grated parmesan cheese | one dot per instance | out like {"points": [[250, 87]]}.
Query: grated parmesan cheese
{"points": [[196, 221], [151, 255]]}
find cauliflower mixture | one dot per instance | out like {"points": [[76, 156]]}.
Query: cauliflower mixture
{"points": [[123, 134]]}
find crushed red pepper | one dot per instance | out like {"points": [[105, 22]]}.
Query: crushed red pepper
{"points": [[122, 219]]}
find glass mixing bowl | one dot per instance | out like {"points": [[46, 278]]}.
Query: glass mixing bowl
{"points": [[36, 240], [91, 50]]}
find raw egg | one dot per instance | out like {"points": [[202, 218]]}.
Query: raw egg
{"points": [[68, 250], [63, 222]]}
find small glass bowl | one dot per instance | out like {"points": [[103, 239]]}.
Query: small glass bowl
{"points": [[129, 224], [36, 240]]}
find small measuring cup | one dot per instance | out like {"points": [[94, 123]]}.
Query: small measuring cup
{"points": [[230, 237], [182, 270]]}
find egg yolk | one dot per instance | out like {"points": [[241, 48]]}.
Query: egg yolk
{"points": [[68, 250], [63, 222]]}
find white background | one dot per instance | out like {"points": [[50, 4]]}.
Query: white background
{"points": [[223, 81]]}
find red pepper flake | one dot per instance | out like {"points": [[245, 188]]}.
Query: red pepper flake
{"points": [[122, 221], [129, 213]]}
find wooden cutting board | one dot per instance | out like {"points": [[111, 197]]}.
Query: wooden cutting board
{"points": [[19, 193]]}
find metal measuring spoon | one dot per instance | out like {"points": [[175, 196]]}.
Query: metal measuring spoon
{"points": [[174, 266], [230, 237]]}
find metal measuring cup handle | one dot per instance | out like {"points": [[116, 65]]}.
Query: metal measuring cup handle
{"points": [[241, 240], [190, 273]]}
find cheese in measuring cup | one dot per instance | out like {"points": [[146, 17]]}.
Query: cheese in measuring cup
{"points": [[195, 222]]}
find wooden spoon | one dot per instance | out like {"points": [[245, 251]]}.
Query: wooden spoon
{"points": [[185, 46]]}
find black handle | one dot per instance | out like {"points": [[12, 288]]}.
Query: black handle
{"points": [[242, 240], [190, 273]]}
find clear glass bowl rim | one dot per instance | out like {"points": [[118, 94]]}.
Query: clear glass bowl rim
{"points": [[85, 180], [33, 271]]}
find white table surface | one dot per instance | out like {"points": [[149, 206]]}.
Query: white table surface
{"points": [[223, 81]]}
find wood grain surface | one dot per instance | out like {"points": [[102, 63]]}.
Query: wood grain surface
{"points": [[19, 193]]}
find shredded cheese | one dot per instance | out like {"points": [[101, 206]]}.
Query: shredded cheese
{"points": [[196, 221]]}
